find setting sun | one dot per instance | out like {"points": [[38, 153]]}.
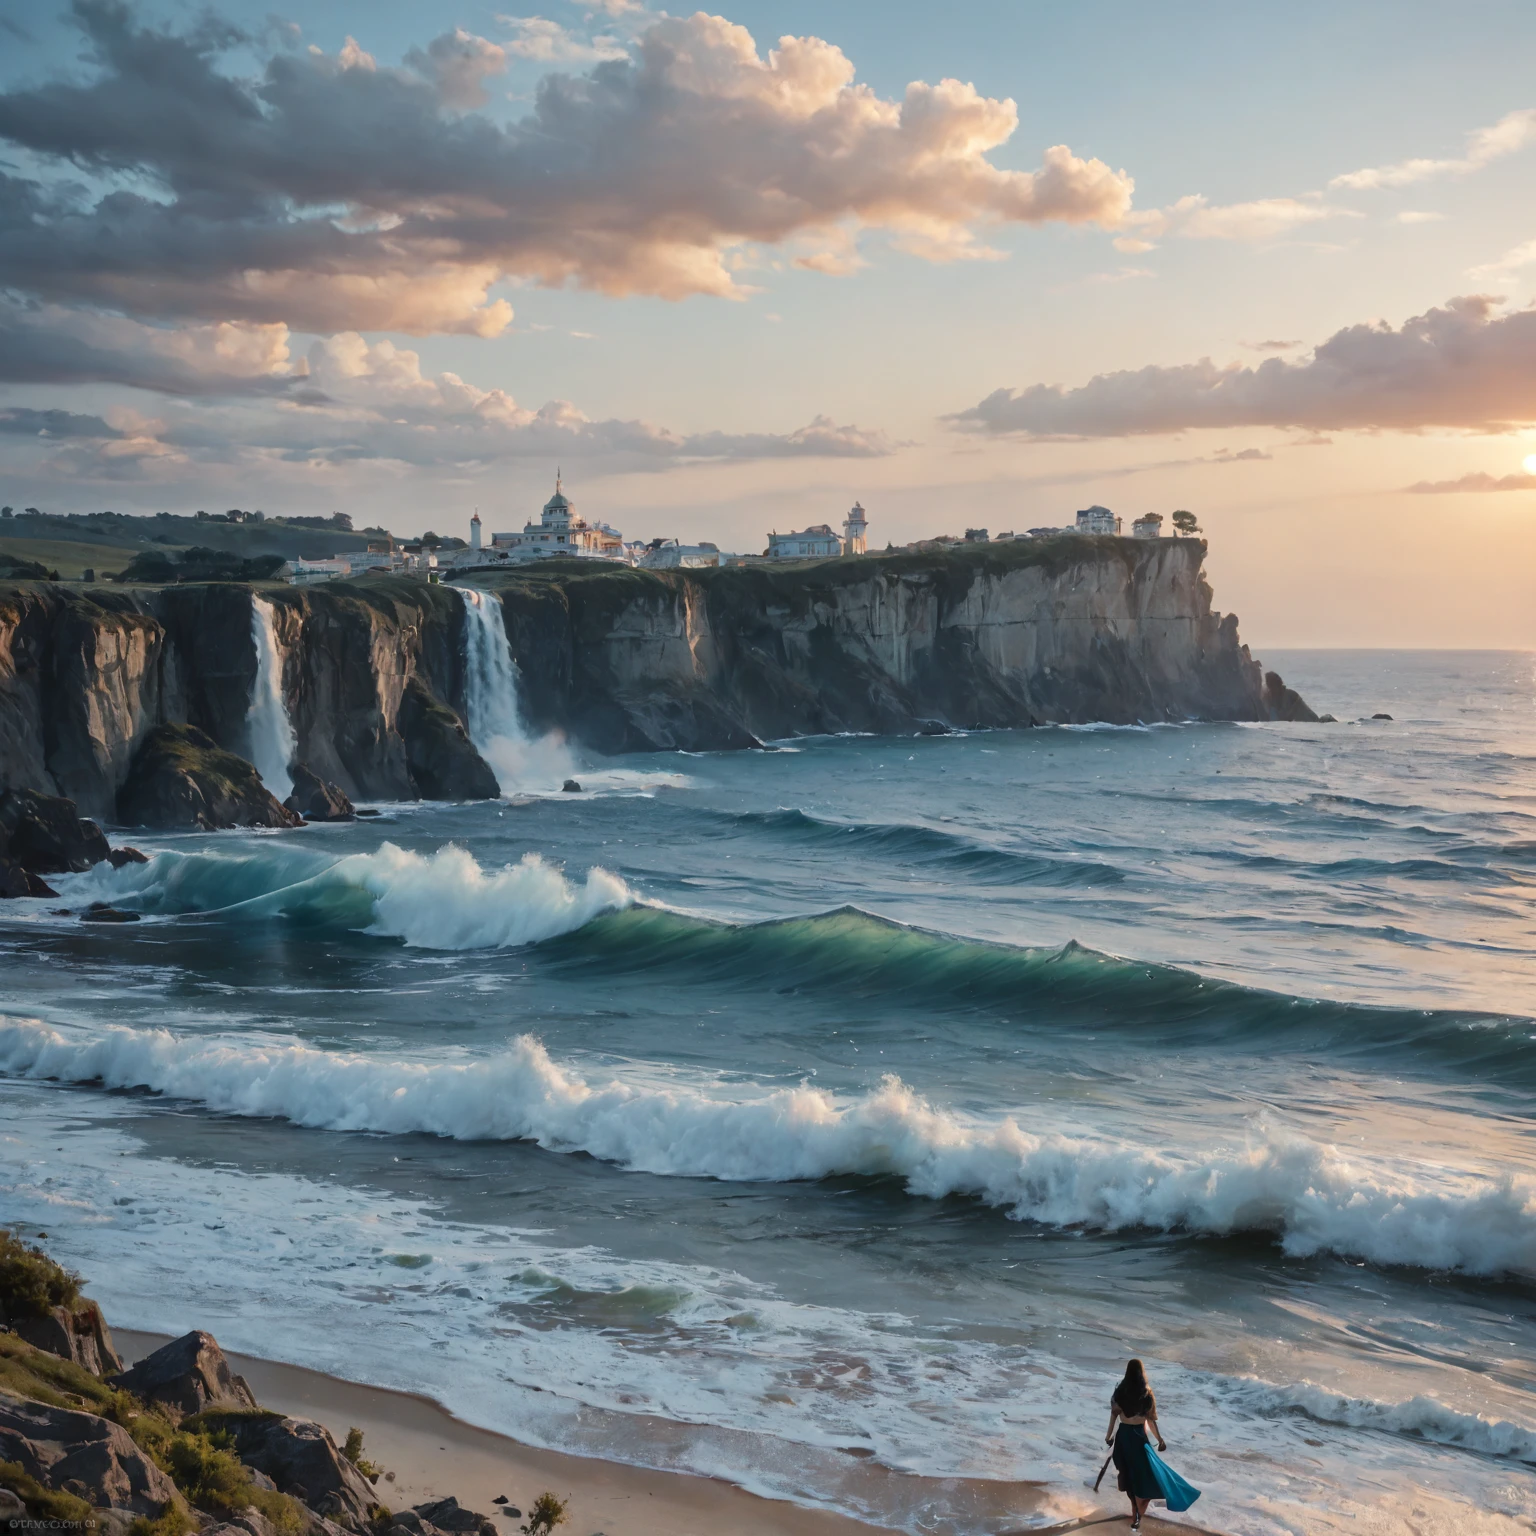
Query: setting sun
{"points": [[1530, 463]]}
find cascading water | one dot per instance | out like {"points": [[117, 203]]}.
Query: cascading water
{"points": [[518, 759], [273, 743]]}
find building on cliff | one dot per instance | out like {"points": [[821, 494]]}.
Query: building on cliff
{"points": [[1097, 519], [670, 555], [560, 530], [819, 542], [855, 531], [1149, 526]]}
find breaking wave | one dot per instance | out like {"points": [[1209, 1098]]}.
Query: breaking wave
{"points": [[1423, 1418], [1306, 1195], [441, 900]]}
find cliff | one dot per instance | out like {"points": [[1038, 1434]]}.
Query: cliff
{"points": [[374, 671], [1049, 631]]}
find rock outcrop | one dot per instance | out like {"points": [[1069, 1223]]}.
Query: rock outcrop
{"points": [[374, 672], [302, 1459], [189, 1375], [315, 800], [64, 1448], [181, 778], [78, 1333], [42, 835]]}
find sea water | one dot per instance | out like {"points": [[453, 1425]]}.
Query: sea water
{"points": [[837, 1118]]}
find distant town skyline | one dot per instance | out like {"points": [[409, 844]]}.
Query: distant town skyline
{"points": [[737, 272]]}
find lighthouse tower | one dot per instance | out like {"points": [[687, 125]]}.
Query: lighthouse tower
{"points": [[474, 532], [855, 527]]}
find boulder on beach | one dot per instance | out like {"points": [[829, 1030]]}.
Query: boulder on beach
{"points": [[83, 1454], [120, 858], [316, 800], [17, 880], [181, 778], [189, 1375]]}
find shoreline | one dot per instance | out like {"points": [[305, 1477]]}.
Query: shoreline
{"points": [[431, 1452]]}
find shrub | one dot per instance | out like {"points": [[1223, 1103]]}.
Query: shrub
{"points": [[204, 1466], [32, 1284], [545, 1514], [45, 1503], [172, 1521], [353, 1451]]}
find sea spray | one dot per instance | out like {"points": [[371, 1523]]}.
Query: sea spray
{"points": [[272, 740], [1304, 1193], [518, 759]]}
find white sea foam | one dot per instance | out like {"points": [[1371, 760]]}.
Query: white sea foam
{"points": [[441, 900], [1306, 1194]]}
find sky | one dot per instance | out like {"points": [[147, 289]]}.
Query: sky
{"points": [[1275, 265]]}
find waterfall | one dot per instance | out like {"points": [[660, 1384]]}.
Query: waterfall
{"points": [[519, 760], [273, 743]]}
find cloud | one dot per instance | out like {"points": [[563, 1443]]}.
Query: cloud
{"points": [[369, 404], [1270, 218], [1270, 346], [1475, 482], [1419, 216], [49, 344], [19, 421], [1508, 264], [1226, 456], [457, 65], [1512, 132], [333, 192], [1461, 365], [549, 43]]}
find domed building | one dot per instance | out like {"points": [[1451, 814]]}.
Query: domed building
{"points": [[560, 530]]}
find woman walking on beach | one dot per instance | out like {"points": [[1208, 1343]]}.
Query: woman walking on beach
{"points": [[1144, 1476]]}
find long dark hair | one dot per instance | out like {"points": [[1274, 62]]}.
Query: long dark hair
{"points": [[1133, 1396]]}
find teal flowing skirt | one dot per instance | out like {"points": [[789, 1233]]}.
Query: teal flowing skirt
{"points": [[1176, 1492]]}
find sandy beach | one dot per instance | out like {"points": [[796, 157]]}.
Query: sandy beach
{"points": [[431, 1453]]}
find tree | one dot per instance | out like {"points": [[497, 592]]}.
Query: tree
{"points": [[5, 512], [430, 540], [1185, 523], [342, 520], [547, 1512], [33, 512]]}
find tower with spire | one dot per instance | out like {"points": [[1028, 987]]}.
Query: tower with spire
{"points": [[855, 531]]}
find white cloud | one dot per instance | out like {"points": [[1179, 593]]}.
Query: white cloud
{"points": [[1485, 145], [1480, 481], [548, 42], [1418, 216], [334, 193], [1511, 262], [1270, 218], [1461, 365]]}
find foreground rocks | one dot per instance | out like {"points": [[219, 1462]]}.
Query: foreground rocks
{"points": [[82, 1454], [316, 800], [182, 779], [303, 1460], [78, 1334], [189, 1375], [42, 835]]}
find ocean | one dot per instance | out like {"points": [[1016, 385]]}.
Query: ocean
{"points": [[837, 1118]]}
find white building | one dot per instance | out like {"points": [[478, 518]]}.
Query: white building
{"points": [[669, 555], [303, 573], [474, 533], [855, 532], [818, 542], [1148, 527], [560, 530], [1098, 520]]}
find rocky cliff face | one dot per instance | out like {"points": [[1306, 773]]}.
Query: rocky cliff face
{"points": [[374, 670], [1061, 630]]}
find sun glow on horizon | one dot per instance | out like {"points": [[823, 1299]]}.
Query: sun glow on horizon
{"points": [[1530, 463]]}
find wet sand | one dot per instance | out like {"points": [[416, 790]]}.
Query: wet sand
{"points": [[431, 1453]]}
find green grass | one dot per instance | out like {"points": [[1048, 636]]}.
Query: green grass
{"points": [[67, 557]]}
